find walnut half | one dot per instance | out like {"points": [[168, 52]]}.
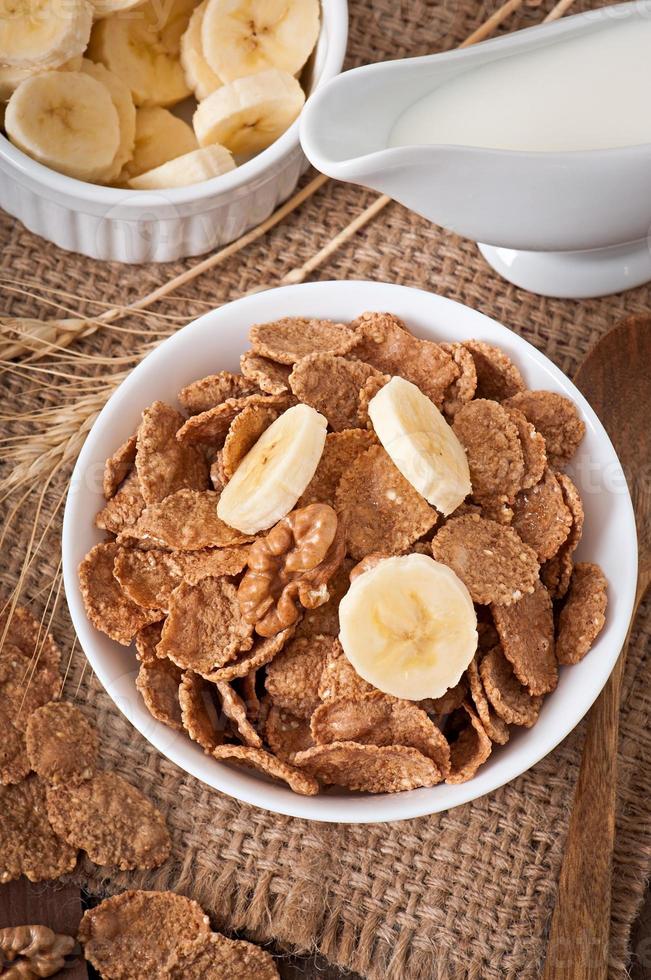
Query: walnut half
{"points": [[290, 565], [32, 951]]}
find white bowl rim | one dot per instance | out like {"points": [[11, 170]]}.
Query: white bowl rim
{"points": [[356, 808], [335, 12]]}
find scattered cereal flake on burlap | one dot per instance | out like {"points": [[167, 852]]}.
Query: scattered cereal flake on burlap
{"points": [[150, 577], [381, 510], [62, 745], [200, 711], [158, 682], [123, 510], [331, 385], [164, 465], [118, 466], [217, 958], [541, 516], [243, 433], [28, 844], [469, 750], [325, 618], [510, 699], [14, 763], [263, 652], [497, 376], [26, 683], [270, 376], [147, 639], [205, 629], [23, 631], [111, 820], [339, 679], [235, 710], [526, 630], [494, 726], [340, 451], [490, 559], [133, 935], [212, 425], [262, 761], [462, 390], [379, 719], [556, 418], [533, 448], [286, 734], [387, 346], [367, 393], [107, 607], [290, 339], [185, 521], [369, 768], [293, 676], [448, 702], [204, 394], [493, 448], [583, 614]]}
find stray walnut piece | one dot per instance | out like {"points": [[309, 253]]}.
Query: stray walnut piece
{"points": [[292, 564], [33, 951]]}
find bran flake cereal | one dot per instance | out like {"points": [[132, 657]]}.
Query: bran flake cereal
{"points": [[150, 577], [510, 699], [235, 710], [269, 376], [557, 571], [201, 396], [163, 464], [107, 607], [61, 744], [158, 681], [380, 509], [541, 517], [14, 763], [286, 734], [118, 466], [583, 614], [448, 702], [111, 820], [331, 385], [494, 726], [249, 689], [215, 957], [492, 561], [469, 750], [533, 448], [134, 934], [325, 619], [463, 389], [26, 683], [263, 652], [185, 521], [200, 711], [293, 676], [339, 679], [264, 762], [212, 425], [367, 393], [493, 448], [205, 629], [146, 640], [556, 418], [243, 433], [28, 844], [339, 453], [497, 376], [290, 339], [526, 630], [369, 768], [23, 631], [124, 508]]}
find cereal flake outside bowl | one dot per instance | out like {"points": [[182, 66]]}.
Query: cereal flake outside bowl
{"points": [[214, 342]]}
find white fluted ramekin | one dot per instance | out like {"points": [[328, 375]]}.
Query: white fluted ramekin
{"points": [[160, 226]]}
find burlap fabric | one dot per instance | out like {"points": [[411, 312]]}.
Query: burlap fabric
{"points": [[463, 894]]}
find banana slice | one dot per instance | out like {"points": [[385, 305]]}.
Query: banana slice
{"points": [[243, 37], [408, 626], [421, 444], [275, 472], [121, 98], [198, 73], [160, 136], [104, 8], [143, 48], [10, 78], [191, 168], [43, 33], [67, 121], [249, 114]]}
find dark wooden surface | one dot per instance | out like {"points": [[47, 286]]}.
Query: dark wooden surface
{"points": [[616, 380]]}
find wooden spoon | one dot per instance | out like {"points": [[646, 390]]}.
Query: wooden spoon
{"points": [[616, 379]]}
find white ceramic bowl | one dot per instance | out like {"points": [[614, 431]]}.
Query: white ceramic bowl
{"points": [[160, 226], [214, 342]]}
